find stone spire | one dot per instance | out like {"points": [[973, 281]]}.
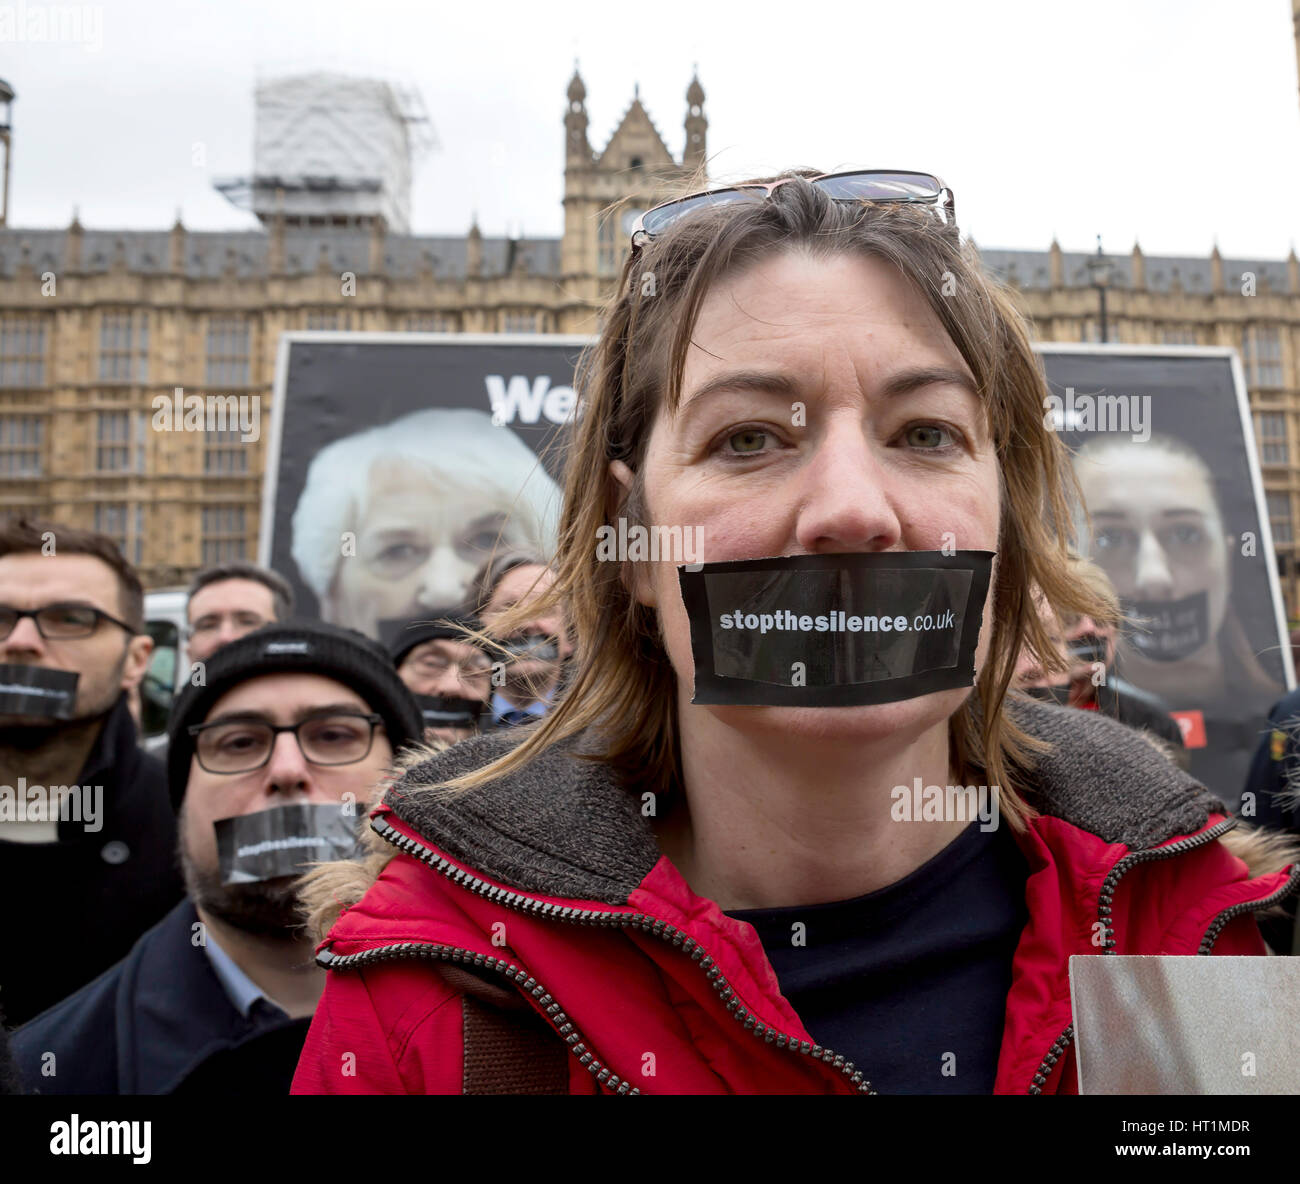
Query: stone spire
{"points": [[577, 148], [693, 156]]}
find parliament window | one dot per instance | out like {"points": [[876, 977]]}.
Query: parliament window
{"points": [[1178, 335], [520, 322], [1261, 354], [22, 351], [225, 454], [124, 524], [1279, 516], [1273, 448], [329, 318], [124, 347], [228, 351], [223, 534], [607, 248], [113, 442], [431, 322], [21, 437]]}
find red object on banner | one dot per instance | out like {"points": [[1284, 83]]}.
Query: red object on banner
{"points": [[1193, 726]]}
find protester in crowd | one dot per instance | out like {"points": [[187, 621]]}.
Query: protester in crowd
{"points": [[1271, 798], [1086, 676], [215, 997], [448, 674], [421, 500], [229, 600], [84, 818], [536, 645], [711, 897]]}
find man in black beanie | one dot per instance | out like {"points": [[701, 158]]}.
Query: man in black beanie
{"points": [[450, 676], [277, 747]]}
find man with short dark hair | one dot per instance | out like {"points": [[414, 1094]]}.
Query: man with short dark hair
{"points": [[230, 600], [84, 816], [272, 764]]}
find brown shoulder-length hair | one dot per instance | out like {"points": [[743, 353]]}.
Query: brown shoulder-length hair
{"points": [[622, 689]]}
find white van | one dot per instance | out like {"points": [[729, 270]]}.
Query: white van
{"points": [[164, 621]]}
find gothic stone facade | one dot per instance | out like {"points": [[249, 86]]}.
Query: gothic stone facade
{"points": [[94, 324]]}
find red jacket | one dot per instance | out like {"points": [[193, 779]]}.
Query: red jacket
{"points": [[655, 990]]}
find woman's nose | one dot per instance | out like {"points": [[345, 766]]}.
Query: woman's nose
{"points": [[1154, 579], [845, 501]]}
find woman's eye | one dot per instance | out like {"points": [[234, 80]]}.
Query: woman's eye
{"points": [[1188, 535], [401, 555], [750, 440], [928, 435]]}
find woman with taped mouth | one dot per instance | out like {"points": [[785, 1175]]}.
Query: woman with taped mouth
{"points": [[646, 893]]}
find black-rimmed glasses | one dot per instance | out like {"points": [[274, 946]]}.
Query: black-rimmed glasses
{"points": [[242, 745], [870, 185], [59, 622]]}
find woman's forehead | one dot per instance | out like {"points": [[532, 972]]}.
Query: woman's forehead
{"points": [[801, 312]]}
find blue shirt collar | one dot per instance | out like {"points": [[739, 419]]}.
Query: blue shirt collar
{"points": [[239, 988], [501, 707]]}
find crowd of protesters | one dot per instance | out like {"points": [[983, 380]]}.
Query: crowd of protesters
{"points": [[165, 941]]}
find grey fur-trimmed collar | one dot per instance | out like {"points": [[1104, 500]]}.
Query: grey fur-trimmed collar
{"points": [[564, 826]]}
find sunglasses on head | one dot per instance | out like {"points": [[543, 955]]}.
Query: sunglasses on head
{"points": [[871, 185]]}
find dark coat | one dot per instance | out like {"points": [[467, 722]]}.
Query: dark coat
{"points": [[89, 896], [159, 1022]]}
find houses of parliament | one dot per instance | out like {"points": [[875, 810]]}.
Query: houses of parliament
{"points": [[95, 324]]}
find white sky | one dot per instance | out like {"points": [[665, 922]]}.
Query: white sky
{"points": [[1173, 121]]}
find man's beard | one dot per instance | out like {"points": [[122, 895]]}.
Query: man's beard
{"points": [[24, 733], [268, 908]]}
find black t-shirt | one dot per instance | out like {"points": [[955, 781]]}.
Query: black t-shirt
{"points": [[910, 983]]}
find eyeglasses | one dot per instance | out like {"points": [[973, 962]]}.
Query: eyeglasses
{"points": [[438, 663], [853, 187], [59, 622], [242, 745]]}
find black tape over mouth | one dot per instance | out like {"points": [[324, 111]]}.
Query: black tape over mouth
{"points": [[835, 630], [1169, 630], [448, 711], [535, 647], [281, 841], [37, 691]]}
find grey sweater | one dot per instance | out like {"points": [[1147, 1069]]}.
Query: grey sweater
{"points": [[565, 826]]}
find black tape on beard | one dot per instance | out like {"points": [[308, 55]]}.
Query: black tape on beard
{"points": [[536, 647], [1169, 630], [280, 841], [835, 630], [37, 690], [1088, 649], [447, 711]]}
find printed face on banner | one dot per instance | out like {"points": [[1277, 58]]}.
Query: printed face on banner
{"points": [[825, 410], [1175, 525], [1158, 534], [394, 521]]}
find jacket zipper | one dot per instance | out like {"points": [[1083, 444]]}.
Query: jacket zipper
{"points": [[647, 924], [1107, 895], [557, 1019]]}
